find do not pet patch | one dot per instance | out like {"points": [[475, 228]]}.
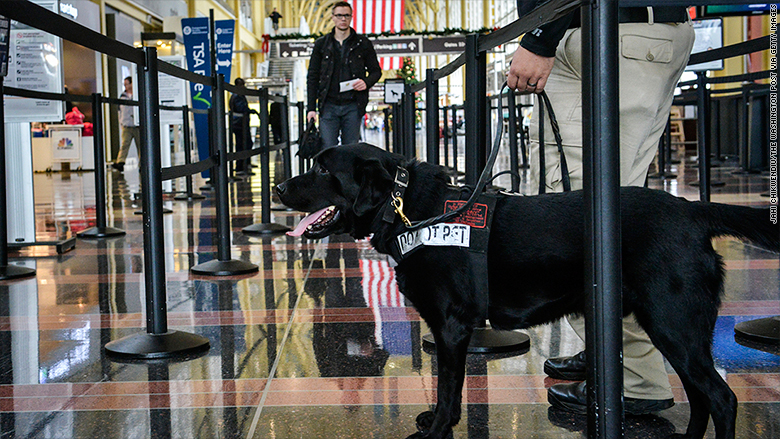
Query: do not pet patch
{"points": [[475, 217]]}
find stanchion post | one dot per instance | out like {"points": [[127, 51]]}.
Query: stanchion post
{"points": [[6, 271], [189, 195], [386, 112], [446, 136], [397, 126], [603, 281], [223, 265], [101, 230], [286, 156], [409, 130], [265, 227], [432, 116], [702, 129], [513, 164], [158, 341], [455, 141], [475, 111], [301, 129]]}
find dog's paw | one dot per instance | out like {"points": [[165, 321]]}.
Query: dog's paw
{"points": [[424, 421]]}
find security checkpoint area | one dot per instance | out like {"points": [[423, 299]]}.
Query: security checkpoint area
{"points": [[178, 297]]}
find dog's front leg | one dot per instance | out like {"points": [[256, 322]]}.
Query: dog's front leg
{"points": [[452, 341]]}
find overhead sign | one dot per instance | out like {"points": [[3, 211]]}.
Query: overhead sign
{"points": [[405, 46], [454, 44], [295, 49]]}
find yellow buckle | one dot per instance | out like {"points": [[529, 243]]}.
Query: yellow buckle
{"points": [[398, 203]]}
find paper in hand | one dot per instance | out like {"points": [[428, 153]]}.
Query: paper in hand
{"points": [[347, 85]]}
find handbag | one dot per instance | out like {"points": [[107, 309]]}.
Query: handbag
{"points": [[311, 142]]}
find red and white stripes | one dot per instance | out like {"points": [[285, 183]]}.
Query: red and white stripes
{"points": [[377, 16]]}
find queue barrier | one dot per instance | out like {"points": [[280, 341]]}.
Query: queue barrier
{"points": [[158, 341]]}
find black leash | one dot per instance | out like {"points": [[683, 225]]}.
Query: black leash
{"points": [[485, 176]]}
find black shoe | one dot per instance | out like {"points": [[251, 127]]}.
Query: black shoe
{"points": [[572, 397], [567, 368], [119, 166]]}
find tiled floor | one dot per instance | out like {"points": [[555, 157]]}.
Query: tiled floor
{"points": [[318, 344]]}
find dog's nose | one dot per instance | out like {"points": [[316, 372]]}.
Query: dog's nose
{"points": [[281, 188]]}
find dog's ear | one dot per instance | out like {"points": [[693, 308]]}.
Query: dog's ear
{"points": [[374, 183]]}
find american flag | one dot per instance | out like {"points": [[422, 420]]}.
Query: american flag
{"points": [[377, 16], [379, 291]]}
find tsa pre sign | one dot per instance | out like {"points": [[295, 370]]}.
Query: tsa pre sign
{"points": [[198, 51]]}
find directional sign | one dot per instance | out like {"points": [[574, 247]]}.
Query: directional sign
{"points": [[405, 46], [295, 49], [455, 44]]}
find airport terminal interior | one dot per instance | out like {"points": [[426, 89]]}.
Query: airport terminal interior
{"points": [[319, 343]]}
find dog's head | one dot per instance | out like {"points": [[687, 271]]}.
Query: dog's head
{"points": [[343, 190]]}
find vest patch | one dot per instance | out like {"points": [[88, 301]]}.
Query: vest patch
{"points": [[439, 235], [475, 217]]}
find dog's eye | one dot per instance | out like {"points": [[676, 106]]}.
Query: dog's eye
{"points": [[322, 171]]}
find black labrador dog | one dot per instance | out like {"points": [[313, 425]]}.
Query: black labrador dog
{"points": [[672, 277]]}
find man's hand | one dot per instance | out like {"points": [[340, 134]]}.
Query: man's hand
{"points": [[529, 71], [311, 115], [360, 85]]}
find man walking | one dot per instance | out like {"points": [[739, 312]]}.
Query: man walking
{"points": [[130, 129], [343, 67]]}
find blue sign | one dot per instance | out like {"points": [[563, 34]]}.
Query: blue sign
{"points": [[198, 51]]}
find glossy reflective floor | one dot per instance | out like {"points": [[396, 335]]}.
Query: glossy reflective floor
{"points": [[318, 344]]}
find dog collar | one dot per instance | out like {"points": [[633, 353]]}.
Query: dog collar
{"points": [[396, 201]]}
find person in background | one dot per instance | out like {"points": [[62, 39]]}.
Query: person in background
{"points": [[343, 67], [130, 129], [275, 16], [240, 124], [655, 43]]}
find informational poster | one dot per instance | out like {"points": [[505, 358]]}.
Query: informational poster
{"points": [[198, 49], [65, 143], [709, 35], [173, 91], [34, 63]]}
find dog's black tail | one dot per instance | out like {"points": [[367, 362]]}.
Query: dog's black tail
{"points": [[749, 223]]}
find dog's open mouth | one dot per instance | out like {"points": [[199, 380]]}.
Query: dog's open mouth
{"points": [[316, 222]]}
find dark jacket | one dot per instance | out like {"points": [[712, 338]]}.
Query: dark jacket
{"points": [[362, 63]]}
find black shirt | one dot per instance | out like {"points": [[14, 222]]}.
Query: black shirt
{"points": [[341, 73]]}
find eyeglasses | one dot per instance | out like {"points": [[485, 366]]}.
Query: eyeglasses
{"points": [[343, 16]]}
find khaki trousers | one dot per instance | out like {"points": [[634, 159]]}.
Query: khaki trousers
{"points": [[128, 134], [652, 59]]}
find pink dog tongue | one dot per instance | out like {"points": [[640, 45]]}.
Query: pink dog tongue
{"points": [[308, 220]]}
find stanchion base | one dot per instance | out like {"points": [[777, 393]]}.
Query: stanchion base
{"points": [[165, 211], [145, 346], [281, 208], [490, 341], [15, 272], [100, 232], [232, 267], [712, 183], [265, 229], [765, 330], [193, 197], [662, 175]]}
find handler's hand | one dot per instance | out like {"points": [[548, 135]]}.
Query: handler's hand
{"points": [[311, 115], [529, 71], [360, 85]]}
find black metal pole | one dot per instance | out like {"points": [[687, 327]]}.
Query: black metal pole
{"points": [[455, 141], [513, 165], [602, 219], [224, 265], [158, 342], [265, 227], [6, 271], [286, 156], [386, 112], [397, 129], [231, 147], [301, 130], [101, 230], [432, 116], [409, 129], [185, 127], [523, 149], [542, 149], [446, 135], [475, 111], [703, 136]]}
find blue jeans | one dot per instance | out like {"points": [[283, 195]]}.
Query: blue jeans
{"points": [[340, 119]]}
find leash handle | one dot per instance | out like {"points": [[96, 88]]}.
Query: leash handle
{"points": [[559, 142]]}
